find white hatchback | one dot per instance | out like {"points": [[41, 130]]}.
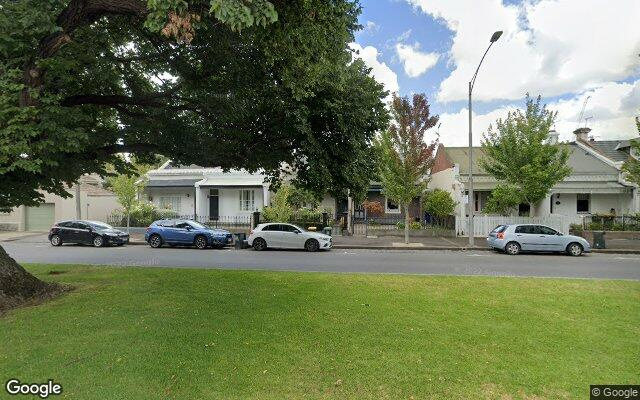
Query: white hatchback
{"points": [[287, 236]]}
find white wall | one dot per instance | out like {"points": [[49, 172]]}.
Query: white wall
{"points": [[186, 197], [229, 201], [599, 203]]}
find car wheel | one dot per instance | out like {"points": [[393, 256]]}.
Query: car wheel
{"points": [[574, 249], [311, 245], [259, 244], [98, 241], [155, 241], [56, 240], [201, 242], [512, 248]]}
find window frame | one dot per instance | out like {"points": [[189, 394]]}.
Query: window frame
{"points": [[588, 200], [249, 203], [388, 210]]}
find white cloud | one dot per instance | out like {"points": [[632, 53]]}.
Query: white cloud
{"points": [[549, 47], [379, 70], [608, 107], [415, 62], [371, 27]]}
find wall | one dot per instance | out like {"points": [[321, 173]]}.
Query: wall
{"points": [[185, 194], [229, 201], [599, 204]]}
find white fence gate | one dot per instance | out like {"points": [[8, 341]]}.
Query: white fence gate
{"points": [[483, 223]]}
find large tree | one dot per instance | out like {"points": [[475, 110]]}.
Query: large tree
{"points": [[405, 155], [517, 152], [232, 83]]}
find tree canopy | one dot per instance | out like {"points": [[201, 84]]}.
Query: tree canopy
{"points": [[518, 153], [405, 156], [232, 83]]}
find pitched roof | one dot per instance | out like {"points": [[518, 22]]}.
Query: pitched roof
{"points": [[612, 149], [186, 182], [580, 161]]}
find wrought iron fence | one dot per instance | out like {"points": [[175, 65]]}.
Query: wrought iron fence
{"points": [[222, 221], [611, 222]]}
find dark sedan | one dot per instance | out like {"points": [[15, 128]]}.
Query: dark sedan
{"points": [[94, 233]]}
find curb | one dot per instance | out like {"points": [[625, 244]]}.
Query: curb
{"points": [[11, 239], [451, 248]]}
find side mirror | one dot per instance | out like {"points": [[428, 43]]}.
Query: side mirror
{"points": [[296, 231], [559, 233]]}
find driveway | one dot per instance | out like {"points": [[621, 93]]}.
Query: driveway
{"points": [[603, 266]]}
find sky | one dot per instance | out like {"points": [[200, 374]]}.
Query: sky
{"points": [[563, 50]]}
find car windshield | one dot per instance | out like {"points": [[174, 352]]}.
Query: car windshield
{"points": [[100, 225], [299, 228], [197, 225]]}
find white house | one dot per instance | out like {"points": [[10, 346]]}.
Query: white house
{"points": [[596, 184], [206, 193]]}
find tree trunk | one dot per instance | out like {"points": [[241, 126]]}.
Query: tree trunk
{"points": [[407, 221], [128, 220], [17, 286]]}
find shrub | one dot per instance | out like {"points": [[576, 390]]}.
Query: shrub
{"points": [[280, 210], [374, 208], [142, 214], [400, 225], [415, 226], [439, 203]]}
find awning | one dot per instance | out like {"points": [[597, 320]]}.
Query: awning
{"points": [[231, 181], [170, 183]]}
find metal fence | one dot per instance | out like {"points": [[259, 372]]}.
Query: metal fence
{"points": [[611, 222], [222, 221]]}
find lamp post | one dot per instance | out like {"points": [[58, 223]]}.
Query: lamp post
{"points": [[470, 200]]}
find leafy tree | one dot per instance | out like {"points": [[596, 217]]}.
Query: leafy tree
{"points": [[405, 157], [503, 199], [632, 166], [439, 203], [280, 209], [231, 83], [373, 208], [299, 197], [126, 189], [517, 152]]}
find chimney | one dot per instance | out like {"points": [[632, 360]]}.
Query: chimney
{"points": [[553, 137], [582, 134]]}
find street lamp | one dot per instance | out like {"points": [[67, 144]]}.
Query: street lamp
{"points": [[470, 201]]}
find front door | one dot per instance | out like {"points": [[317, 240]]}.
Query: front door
{"points": [[214, 205]]}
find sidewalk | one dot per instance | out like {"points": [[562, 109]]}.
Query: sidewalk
{"points": [[9, 236]]}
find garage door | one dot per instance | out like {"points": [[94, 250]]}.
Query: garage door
{"points": [[40, 218]]}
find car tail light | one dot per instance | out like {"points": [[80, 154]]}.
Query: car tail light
{"points": [[500, 235]]}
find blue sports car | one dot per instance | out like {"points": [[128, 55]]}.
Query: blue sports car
{"points": [[178, 232]]}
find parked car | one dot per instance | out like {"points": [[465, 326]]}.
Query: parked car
{"points": [[287, 236], [512, 239], [179, 232], [94, 233]]}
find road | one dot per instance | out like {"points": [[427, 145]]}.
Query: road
{"points": [[602, 266]]}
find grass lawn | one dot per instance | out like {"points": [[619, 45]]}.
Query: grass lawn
{"points": [[155, 333]]}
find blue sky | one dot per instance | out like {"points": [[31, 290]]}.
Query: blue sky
{"points": [[559, 49]]}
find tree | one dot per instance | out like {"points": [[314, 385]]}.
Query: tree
{"points": [[503, 199], [405, 157], [231, 83], [280, 209], [631, 167], [300, 197], [517, 152], [439, 203], [126, 189]]}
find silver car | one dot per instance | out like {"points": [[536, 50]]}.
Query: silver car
{"points": [[287, 236], [512, 239]]}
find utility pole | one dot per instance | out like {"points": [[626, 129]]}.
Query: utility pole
{"points": [[470, 198]]}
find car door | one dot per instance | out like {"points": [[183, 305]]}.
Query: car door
{"points": [[549, 239], [524, 236], [167, 231], [65, 232], [82, 233], [292, 238], [183, 232], [272, 235]]}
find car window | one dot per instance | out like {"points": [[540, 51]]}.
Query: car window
{"points": [[197, 225], [79, 225], [272, 228], [183, 225], [289, 228], [65, 224], [165, 223], [499, 228], [545, 230], [100, 225], [528, 229]]}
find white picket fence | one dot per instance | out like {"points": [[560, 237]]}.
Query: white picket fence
{"points": [[483, 223]]}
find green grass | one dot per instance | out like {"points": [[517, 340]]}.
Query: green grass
{"points": [[154, 333]]}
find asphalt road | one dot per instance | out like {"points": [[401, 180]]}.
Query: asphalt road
{"points": [[602, 266]]}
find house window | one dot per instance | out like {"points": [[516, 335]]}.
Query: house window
{"points": [[171, 203], [582, 203], [476, 201], [391, 207], [247, 200]]}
